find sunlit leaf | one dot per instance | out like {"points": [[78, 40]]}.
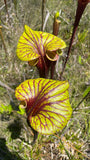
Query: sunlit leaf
{"points": [[87, 90], [48, 108], [80, 59], [4, 108], [82, 36]]}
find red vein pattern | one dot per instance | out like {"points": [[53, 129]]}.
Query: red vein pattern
{"points": [[48, 108], [35, 44]]}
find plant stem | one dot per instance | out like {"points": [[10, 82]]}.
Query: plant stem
{"points": [[34, 132], [7, 10], [81, 101], [43, 7], [56, 25], [79, 12], [69, 156]]}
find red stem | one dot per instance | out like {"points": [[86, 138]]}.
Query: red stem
{"points": [[79, 12], [43, 6]]}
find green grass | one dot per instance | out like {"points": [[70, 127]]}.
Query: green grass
{"points": [[15, 135]]}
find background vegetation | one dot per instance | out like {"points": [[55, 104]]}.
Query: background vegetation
{"points": [[15, 136]]}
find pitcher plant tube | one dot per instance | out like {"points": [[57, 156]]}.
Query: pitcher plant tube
{"points": [[56, 25], [79, 12], [39, 49], [47, 104]]}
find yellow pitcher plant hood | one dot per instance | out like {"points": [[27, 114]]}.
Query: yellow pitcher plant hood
{"points": [[47, 104], [33, 45]]}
